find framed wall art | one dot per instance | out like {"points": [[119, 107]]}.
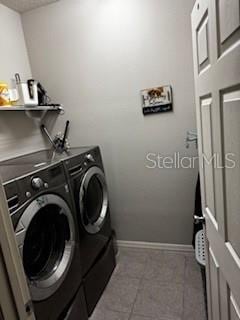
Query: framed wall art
{"points": [[158, 99]]}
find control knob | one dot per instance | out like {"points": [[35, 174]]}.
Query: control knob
{"points": [[37, 183], [89, 157]]}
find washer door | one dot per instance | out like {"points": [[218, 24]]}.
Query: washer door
{"points": [[46, 238], [93, 200]]}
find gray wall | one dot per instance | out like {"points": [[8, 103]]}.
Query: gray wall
{"points": [[95, 56], [18, 134]]}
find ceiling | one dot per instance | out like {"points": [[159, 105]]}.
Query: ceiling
{"points": [[25, 5]]}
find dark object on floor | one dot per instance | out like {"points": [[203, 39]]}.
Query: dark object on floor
{"points": [[197, 210], [203, 271], [197, 227]]}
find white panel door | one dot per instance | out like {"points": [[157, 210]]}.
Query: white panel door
{"points": [[216, 48]]}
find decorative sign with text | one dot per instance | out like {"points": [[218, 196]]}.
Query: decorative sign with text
{"points": [[157, 100]]}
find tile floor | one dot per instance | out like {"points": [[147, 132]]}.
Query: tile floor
{"points": [[153, 285]]}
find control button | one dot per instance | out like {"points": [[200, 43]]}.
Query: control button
{"points": [[89, 157], [46, 185], [37, 183], [28, 194], [66, 188]]}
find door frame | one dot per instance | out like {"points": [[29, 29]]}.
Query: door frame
{"points": [[15, 303]]}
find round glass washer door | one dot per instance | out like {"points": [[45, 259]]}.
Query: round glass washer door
{"points": [[93, 200], [46, 238]]}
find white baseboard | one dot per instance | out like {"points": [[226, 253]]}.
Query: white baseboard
{"points": [[155, 245]]}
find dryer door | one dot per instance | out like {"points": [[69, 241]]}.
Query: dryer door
{"points": [[93, 200], [46, 238]]}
